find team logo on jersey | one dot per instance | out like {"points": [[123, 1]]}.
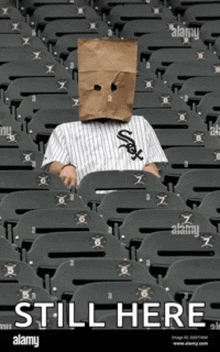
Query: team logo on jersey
{"points": [[130, 144]]}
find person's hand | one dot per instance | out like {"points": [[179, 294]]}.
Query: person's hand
{"points": [[69, 175], [153, 169]]}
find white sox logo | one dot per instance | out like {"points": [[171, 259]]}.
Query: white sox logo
{"points": [[130, 146]]}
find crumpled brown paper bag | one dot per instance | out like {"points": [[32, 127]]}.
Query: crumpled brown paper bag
{"points": [[107, 71]]}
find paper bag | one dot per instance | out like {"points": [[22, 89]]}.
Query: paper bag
{"points": [[107, 71]]}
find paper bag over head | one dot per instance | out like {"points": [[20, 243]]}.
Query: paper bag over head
{"points": [[107, 70]]}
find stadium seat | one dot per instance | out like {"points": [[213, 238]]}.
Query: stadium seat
{"points": [[15, 204], [16, 139], [195, 88], [48, 251], [119, 15], [180, 138], [68, 277], [17, 271], [95, 185], [138, 224], [8, 11], [58, 28], [11, 181], [28, 6], [47, 13], [26, 54], [115, 206], [20, 41], [19, 159], [134, 29], [161, 249], [208, 293], [32, 86], [209, 206], [197, 15], [149, 43], [190, 158], [172, 118], [34, 223], [7, 251], [177, 73], [216, 47], [8, 26], [208, 107], [104, 6], [209, 32], [32, 104], [14, 70], [161, 59], [158, 100], [179, 6], [192, 186], [185, 275]]}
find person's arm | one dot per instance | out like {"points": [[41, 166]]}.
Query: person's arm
{"points": [[66, 172], [152, 168]]}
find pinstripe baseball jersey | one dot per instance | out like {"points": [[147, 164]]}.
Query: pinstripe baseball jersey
{"points": [[110, 145]]}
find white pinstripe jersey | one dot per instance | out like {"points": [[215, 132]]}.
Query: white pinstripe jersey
{"points": [[109, 145]]}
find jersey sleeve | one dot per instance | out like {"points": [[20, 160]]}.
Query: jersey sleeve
{"points": [[56, 148], [155, 153]]}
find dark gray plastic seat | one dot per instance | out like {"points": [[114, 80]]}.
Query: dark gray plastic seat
{"points": [[50, 250], [69, 277], [138, 224]]}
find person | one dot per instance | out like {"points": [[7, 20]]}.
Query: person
{"points": [[107, 135]]}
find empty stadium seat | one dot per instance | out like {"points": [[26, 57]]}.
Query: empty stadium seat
{"points": [[134, 29], [15, 204], [192, 186], [30, 105], [161, 59], [115, 206], [161, 249], [190, 158], [121, 14], [209, 206], [32, 86], [95, 185], [208, 108], [34, 223], [149, 43], [177, 73], [185, 275], [197, 15], [48, 251], [69, 276], [11, 181], [139, 223], [7, 251]]}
